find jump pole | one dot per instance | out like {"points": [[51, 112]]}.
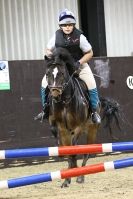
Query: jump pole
{"points": [[40, 178], [66, 150]]}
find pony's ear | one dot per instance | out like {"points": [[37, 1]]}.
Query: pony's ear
{"points": [[46, 57]]}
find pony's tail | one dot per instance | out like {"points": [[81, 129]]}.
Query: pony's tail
{"points": [[110, 113]]}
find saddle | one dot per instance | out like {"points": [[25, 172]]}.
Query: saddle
{"points": [[82, 88]]}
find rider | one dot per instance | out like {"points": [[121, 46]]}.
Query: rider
{"points": [[69, 37]]}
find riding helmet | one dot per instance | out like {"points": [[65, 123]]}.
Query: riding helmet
{"points": [[66, 17]]}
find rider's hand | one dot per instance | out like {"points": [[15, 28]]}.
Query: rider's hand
{"points": [[77, 65], [77, 68]]}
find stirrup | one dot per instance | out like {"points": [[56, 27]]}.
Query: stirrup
{"points": [[40, 116], [96, 118]]}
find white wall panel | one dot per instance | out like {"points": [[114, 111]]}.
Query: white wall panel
{"points": [[26, 26], [119, 27]]}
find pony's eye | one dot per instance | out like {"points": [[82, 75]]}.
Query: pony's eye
{"points": [[48, 73], [60, 73]]}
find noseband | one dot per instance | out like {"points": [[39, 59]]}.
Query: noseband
{"points": [[57, 91]]}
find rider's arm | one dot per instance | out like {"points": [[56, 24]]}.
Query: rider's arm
{"points": [[48, 52], [86, 48], [50, 46], [86, 57]]}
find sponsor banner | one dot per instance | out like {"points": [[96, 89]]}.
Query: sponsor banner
{"points": [[4, 76]]}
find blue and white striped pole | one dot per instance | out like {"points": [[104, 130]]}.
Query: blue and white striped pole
{"points": [[40, 178], [66, 150]]}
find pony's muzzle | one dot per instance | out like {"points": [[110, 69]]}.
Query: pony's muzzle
{"points": [[56, 92]]}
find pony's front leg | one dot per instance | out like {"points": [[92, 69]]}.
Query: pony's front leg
{"points": [[66, 140], [72, 163], [81, 179], [91, 138]]}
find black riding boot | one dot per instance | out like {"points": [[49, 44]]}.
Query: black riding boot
{"points": [[44, 114]]}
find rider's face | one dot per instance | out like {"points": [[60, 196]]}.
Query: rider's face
{"points": [[67, 28]]}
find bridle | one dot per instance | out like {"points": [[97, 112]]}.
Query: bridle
{"points": [[60, 90]]}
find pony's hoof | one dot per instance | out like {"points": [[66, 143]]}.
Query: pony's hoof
{"points": [[80, 179], [66, 183]]}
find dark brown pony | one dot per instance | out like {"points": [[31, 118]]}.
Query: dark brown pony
{"points": [[69, 115]]}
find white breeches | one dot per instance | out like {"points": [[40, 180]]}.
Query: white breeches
{"points": [[44, 82], [87, 76]]}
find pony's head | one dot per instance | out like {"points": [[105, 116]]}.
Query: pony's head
{"points": [[58, 71]]}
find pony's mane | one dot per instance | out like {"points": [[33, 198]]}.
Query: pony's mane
{"points": [[62, 54]]}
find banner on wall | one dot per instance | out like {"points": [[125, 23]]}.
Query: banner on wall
{"points": [[130, 82], [4, 76]]}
